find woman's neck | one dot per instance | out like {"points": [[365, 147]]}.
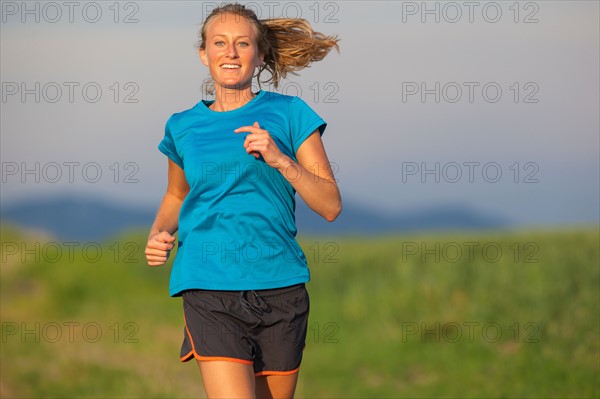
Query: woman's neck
{"points": [[229, 99]]}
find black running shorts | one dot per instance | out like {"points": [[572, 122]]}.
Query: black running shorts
{"points": [[262, 328]]}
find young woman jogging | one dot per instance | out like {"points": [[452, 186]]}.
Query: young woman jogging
{"points": [[235, 164]]}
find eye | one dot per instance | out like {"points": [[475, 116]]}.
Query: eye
{"points": [[244, 44], [219, 43]]}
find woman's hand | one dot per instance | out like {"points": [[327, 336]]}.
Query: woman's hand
{"points": [[260, 143], [158, 248]]}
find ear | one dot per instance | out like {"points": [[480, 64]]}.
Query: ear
{"points": [[261, 59], [203, 58]]}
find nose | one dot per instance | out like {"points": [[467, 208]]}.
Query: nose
{"points": [[231, 51]]}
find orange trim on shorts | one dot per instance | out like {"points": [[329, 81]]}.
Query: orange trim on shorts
{"points": [[193, 351], [208, 358], [187, 357], [276, 372], [224, 359]]}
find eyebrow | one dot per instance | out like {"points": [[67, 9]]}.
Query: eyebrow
{"points": [[237, 37]]}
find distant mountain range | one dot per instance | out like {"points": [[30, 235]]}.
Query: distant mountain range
{"points": [[89, 219]]}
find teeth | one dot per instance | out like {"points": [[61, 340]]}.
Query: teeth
{"points": [[230, 66]]}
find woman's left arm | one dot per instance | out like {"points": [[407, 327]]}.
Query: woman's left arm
{"points": [[312, 176], [313, 179]]}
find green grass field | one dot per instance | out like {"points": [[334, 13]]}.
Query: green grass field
{"points": [[485, 315]]}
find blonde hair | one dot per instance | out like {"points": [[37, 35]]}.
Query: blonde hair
{"points": [[288, 44]]}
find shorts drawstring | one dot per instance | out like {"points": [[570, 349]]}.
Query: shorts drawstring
{"points": [[255, 305]]}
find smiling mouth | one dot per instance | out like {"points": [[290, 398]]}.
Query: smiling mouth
{"points": [[231, 66]]}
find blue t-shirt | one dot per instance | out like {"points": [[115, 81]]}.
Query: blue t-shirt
{"points": [[237, 226]]}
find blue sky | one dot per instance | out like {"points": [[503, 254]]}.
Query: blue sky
{"points": [[494, 105]]}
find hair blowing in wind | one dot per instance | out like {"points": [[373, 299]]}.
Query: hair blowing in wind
{"points": [[288, 44]]}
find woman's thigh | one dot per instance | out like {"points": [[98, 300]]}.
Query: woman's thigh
{"points": [[276, 386], [223, 379]]}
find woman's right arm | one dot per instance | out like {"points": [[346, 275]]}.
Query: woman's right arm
{"points": [[161, 239]]}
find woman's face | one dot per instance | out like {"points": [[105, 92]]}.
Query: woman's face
{"points": [[231, 52]]}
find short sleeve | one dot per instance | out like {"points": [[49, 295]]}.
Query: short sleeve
{"points": [[167, 145], [303, 121]]}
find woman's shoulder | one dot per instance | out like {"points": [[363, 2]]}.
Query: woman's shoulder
{"points": [[185, 114], [281, 99]]}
